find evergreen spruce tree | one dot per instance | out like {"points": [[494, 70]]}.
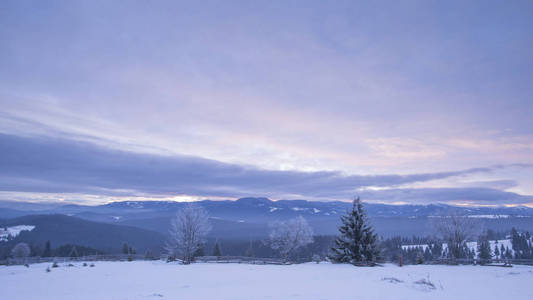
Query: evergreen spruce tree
{"points": [[149, 255], [216, 250], [250, 251], [47, 250], [496, 252], [483, 247], [73, 252], [125, 248], [357, 242]]}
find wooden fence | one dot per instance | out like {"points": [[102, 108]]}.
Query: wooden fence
{"points": [[239, 260], [125, 257], [236, 260], [468, 261]]}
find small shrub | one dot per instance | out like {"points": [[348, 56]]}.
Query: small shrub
{"points": [[70, 265], [48, 270], [426, 283], [316, 258], [55, 265], [85, 264], [91, 265], [26, 265], [130, 258]]}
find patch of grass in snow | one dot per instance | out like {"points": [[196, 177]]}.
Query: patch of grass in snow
{"points": [[392, 279], [425, 283]]}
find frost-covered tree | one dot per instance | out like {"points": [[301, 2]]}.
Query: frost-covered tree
{"points": [[21, 250], [200, 251], [187, 232], [357, 242], [288, 236], [456, 230]]}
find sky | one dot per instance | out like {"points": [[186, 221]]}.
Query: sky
{"points": [[398, 102]]}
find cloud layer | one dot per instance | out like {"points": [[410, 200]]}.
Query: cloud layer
{"points": [[44, 165], [274, 98]]}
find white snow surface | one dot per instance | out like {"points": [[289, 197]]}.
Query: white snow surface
{"points": [[13, 231], [159, 280]]}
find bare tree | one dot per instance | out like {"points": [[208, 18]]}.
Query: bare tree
{"points": [[456, 230], [21, 251], [288, 236], [187, 232]]}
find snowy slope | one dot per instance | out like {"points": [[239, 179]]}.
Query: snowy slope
{"points": [[158, 280], [13, 231]]}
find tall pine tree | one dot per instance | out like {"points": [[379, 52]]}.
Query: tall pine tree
{"points": [[216, 250], [357, 243], [483, 248], [47, 250]]}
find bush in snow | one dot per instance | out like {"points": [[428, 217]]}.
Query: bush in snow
{"points": [[187, 232], [55, 265], [288, 236]]}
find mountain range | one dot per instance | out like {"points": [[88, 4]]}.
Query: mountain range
{"points": [[145, 223]]}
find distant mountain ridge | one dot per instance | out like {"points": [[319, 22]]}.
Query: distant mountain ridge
{"points": [[250, 217], [62, 229], [261, 204]]}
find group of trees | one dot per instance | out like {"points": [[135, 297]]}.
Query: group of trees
{"points": [[23, 250], [357, 242], [490, 246], [522, 244]]}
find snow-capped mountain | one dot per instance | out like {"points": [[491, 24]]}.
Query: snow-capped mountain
{"points": [[251, 216]]}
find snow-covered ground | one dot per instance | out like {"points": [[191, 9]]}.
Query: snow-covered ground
{"points": [[159, 280], [13, 231]]}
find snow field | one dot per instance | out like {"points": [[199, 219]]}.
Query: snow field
{"points": [[159, 280]]}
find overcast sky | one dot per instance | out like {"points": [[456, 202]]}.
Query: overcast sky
{"points": [[396, 101]]}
